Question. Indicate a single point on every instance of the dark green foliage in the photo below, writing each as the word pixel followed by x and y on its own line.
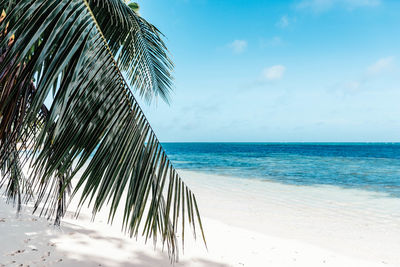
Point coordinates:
pixel 94 123
pixel 134 6
pixel 141 52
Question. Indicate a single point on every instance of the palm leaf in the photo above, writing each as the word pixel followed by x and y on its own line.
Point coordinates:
pixel 139 47
pixel 94 120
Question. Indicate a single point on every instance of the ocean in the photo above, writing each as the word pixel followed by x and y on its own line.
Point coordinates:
pixel 365 166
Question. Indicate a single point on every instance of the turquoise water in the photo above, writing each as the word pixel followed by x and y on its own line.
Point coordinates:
pixel 368 166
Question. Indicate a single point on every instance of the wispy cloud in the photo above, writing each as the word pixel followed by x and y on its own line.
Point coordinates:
pixel 380 66
pixel 238 46
pixel 283 22
pixel 273 73
pixel 324 5
pixel 364 81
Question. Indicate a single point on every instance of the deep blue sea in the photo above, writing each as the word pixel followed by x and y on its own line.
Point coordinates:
pixel 368 166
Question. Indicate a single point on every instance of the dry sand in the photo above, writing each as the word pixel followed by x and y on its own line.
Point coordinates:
pixel 247 223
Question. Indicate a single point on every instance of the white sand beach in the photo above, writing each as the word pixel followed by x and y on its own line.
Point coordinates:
pixel 274 126
pixel 247 223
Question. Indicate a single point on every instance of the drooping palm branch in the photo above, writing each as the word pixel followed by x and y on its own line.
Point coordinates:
pixel 78 49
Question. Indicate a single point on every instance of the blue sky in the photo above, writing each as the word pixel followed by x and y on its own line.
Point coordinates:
pixel 270 71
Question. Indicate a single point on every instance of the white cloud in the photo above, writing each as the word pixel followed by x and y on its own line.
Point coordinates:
pixel 382 65
pixel 367 78
pixel 324 5
pixel 283 22
pixel 273 73
pixel 238 46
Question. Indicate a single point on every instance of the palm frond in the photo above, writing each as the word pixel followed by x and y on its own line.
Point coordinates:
pixel 94 119
pixel 17 185
pixel 139 46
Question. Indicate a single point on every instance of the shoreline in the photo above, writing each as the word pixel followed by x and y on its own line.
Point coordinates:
pixel 334 218
pixel 257 179
pixel 246 223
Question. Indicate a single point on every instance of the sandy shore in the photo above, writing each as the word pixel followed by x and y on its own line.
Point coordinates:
pixel 247 223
